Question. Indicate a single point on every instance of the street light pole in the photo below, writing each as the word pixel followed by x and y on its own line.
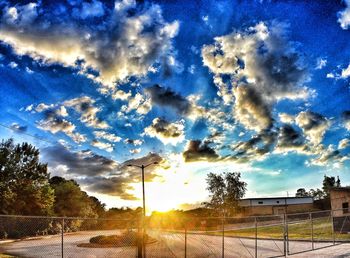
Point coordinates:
pixel 144 204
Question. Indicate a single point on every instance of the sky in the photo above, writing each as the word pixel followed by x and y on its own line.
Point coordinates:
pixel 256 87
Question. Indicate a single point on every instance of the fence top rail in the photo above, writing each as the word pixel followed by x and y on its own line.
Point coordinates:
pixel 57 217
pixel 185 218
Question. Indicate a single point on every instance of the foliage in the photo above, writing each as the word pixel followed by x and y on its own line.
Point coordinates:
pixel 318 194
pixel 24 187
pixel 225 191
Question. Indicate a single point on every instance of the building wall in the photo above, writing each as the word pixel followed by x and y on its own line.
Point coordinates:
pixel 277 209
pixel 339 197
pixel 275 201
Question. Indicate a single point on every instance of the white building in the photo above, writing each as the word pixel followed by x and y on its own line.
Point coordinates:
pixel 276 205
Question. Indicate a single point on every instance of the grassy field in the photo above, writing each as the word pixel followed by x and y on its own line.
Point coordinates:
pixel 298 230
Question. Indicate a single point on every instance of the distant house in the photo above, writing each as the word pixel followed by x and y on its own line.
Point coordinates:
pixel 340 200
pixel 275 205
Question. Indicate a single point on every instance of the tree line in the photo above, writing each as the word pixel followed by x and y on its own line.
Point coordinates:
pixel 27 189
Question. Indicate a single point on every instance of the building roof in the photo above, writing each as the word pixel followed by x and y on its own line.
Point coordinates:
pixel 345 188
pixel 274 198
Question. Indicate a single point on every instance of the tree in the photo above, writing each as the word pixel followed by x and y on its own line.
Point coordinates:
pixel 328 183
pixel 24 187
pixel 70 200
pixel 317 194
pixel 225 191
pixel 301 192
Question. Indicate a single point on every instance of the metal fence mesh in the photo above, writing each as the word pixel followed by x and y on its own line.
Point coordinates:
pixel 261 236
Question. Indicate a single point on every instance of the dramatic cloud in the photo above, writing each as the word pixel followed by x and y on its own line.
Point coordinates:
pixel 165 131
pixel 114 186
pixel 54 123
pixel 124 42
pixel 120 185
pixel 258 67
pixel 84 106
pixel 286 118
pixel 255 148
pixel 344 16
pixel 107 136
pixel 344 143
pixel 135 142
pixel 329 156
pixel 290 140
pixel 80 163
pixel 346 119
pixel 18 128
pixel 197 150
pixel 313 124
pixel 99 174
pixel 102 145
pixel 167 97
pixel 251 110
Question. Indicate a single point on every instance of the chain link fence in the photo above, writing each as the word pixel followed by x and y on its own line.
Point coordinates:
pixel 260 236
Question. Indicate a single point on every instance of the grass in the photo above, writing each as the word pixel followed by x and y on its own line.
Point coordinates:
pixel 322 231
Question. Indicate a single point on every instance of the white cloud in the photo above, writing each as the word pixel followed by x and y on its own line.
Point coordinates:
pixel 135 151
pixel 286 118
pixel 84 106
pixel 314 126
pixel 344 16
pixel 344 143
pixel 55 124
pixel 345 73
pixel 102 145
pixel 257 67
pixel 125 44
pixel 165 131
pixel 321 62
pixel 107 136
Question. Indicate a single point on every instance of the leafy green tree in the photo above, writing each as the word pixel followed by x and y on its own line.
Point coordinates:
pixel 328 183
pixel 24 187
pixel 301 192
pixel 225 191
pixel 317 194
pixel 70 200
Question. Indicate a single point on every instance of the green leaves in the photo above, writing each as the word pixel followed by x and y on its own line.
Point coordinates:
pixel 225 191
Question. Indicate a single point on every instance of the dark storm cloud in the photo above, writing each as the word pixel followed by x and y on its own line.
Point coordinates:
pixel 84 163
pixel 255 147
pixel 166 97
pixel 199 151
pixel 115 186
pixel 289 137
pixel 100 174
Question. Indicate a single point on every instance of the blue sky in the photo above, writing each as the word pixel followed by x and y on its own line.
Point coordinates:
pixel 259 87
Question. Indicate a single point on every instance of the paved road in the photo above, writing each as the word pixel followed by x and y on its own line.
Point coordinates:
pixel 169 245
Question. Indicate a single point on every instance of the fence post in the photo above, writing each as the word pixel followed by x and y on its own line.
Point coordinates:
pixel 139 239
pixel 185 241
pixel 256 237
pixel 62 234
pixel 286 231
pixel 333 234
pixel 223 237
pixel 312 231
pixel 284 236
